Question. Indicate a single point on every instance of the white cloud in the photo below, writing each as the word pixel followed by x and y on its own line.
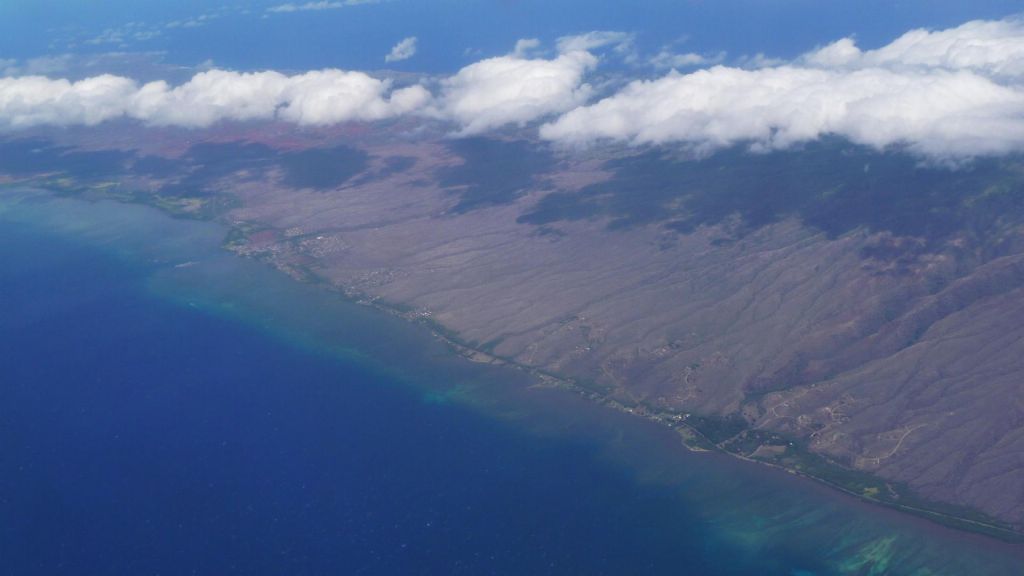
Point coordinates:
pixel 593 40
pixel 946 94
pixel 84 65
pixel 939 113
pixel 201 20
pixel 524 46
pixel 319 97
pixel 514 90
pixel 668 59
pixel 760 60
pixel 209 97
pixel 987 47
pixel 950 93
pixel 36 100
pixel 321 5
pixel 45 66
pixel 839 53
pixel 304 7
pixel 8 66
pixel 621 43
pixel 488 94
pixel 333 96
pixel 404 50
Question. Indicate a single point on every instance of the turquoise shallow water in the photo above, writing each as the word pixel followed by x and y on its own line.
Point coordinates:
pixel 167 407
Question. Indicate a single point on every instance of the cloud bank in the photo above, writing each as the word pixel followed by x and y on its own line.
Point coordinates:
pixel 313 98
pixel 938 113
pixel 514 90
pixel 994 48
pixel 948 94
pixel 36 100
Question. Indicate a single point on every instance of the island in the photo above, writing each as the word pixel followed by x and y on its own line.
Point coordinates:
pixel 843 313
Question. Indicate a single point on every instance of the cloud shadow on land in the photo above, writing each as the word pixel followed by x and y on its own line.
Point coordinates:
pixel 32 156
pixel 323 168
pixel 494 171
pixel 831 185
pixel 197 171
pixel 206 163
pixel 318 168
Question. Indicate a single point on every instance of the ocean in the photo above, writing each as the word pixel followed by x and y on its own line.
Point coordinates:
pixel 452 33
pixel 169 408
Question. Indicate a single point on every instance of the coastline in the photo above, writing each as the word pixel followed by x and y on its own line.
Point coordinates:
pixel 697 440
pixel 701 434
pixel 698 433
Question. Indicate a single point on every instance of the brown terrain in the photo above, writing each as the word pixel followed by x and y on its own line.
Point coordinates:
pixel 870 321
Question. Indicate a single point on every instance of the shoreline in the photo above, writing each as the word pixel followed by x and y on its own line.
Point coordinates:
pixel 695 438
pixel 696 433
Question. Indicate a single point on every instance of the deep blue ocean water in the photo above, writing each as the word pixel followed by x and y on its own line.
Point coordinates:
pixel 143 437
pixel 140 437
pixel 163 415
pixel 453 33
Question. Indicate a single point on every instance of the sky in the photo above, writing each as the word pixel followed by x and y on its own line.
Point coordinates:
pixel 944 79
